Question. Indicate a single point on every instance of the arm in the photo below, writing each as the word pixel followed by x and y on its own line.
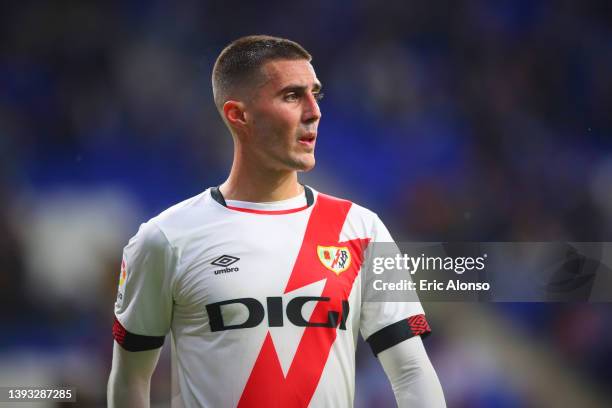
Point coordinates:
pixel 143 312
pixel 130 377
pixel 413 378
pixel 393 327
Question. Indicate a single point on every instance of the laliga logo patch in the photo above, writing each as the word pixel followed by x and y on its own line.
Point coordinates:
pixel 122 279
pixel 336 259
pixel 123 275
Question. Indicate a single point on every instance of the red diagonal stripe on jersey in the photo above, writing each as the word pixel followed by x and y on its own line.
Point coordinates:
pixel 267 385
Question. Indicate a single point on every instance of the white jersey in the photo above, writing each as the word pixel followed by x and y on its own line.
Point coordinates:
pixel 263 300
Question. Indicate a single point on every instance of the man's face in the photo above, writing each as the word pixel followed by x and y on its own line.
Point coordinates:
pixel 283 116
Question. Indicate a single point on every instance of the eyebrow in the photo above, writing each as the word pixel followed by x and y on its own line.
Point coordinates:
pixel 299 88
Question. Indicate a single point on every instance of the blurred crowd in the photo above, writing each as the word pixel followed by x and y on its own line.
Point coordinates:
pixel 458 121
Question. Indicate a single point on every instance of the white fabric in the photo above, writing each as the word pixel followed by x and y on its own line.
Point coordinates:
pixel 413 378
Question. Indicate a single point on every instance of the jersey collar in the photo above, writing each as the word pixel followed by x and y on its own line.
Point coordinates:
pixel 216 194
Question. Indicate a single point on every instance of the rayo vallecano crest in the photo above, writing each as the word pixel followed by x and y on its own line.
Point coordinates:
pixel 336 259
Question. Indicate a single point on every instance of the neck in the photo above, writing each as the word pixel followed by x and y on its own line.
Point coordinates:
pixel 249 181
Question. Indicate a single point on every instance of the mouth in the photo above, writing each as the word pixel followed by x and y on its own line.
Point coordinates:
pixel 308 139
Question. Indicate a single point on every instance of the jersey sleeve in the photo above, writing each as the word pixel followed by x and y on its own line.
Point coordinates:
pixel 386 323
pixel 143 310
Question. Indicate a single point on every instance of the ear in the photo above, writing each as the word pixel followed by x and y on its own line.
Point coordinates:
pixel 234 113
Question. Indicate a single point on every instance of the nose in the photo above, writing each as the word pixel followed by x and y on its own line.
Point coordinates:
pixel 311 112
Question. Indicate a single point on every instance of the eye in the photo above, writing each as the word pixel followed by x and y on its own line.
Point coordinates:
pixel 291 97
pixel 318 95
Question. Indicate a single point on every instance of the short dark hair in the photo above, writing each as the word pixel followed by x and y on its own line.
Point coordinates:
pixel 242 59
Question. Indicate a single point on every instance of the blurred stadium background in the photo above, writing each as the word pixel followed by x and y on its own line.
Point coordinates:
pixel 469 121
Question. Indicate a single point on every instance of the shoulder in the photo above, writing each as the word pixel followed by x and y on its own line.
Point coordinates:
pixel 182 209
pixel 182 218
pixel 149 235
pixel 161 231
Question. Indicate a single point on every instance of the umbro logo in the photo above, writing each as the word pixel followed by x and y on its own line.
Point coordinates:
pixel 225 261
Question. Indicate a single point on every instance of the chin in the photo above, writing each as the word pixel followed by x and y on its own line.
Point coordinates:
pixel 306 165
pixel 302 162
pixel 306 169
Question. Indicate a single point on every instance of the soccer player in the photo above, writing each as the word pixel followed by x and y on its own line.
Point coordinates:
pixel 258 280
